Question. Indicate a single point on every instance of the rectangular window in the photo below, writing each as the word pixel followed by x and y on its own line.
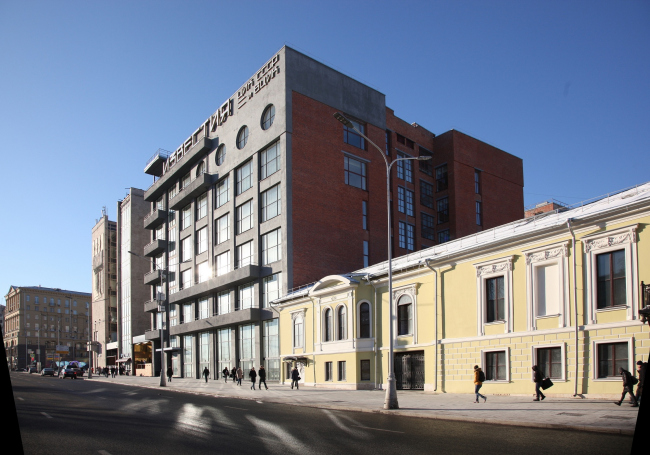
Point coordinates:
pixel 328 371
pixel 477 181
pixel 410 237
pixel 186 249
pixel 365 253
pixel 355 172
pixel 364 214
pixel 272 288
pixel 547 289
pixel 352 137
pixel 223 302
pixel 186 279
pixel 441 178
pixel 405 168
pixel 202 206
pixel 410 196
pixel 271 203
pixel 186 217
pixel 188 313
pixel 271 349
pixel 495 366
pixel 272 247
pixel 222 228
pixel 401 200
pixel 204 310
pixel 443 210
pixel 443 236
pixel 223 346
pixel 611 279
pixel 365 370
pixel 404 316
pixel 495 297
pixel 221 193
pixel 479 214
pixel 387 142
pixel 188 363
pixel 245 254
pixel 549 360
pixel 611 357
pixel 204 350
pixel 402 234
pixel 270 162
pixel 244 177
pixel 245 296
pixel 426 166
pixel 223 263
pixel 428 226
pixel 426 193
pixel 201 240
pixel 298 332
pixel 341 369
pixel 245 217
pixel 246 346
pixel 185 181
pixel 204 271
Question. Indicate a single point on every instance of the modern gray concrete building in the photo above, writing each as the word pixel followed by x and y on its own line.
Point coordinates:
pixel 134 352
pixel 271 192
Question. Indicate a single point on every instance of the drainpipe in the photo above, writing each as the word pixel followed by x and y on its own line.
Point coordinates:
pixel 435 305
pixel 375 331
pixel 575 300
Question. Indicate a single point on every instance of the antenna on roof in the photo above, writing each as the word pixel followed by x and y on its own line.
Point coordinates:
pixel 103 211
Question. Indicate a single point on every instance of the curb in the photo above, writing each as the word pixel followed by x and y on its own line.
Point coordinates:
pixel 547 426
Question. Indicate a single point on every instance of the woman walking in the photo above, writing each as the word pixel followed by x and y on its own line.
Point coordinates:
pixel 240 375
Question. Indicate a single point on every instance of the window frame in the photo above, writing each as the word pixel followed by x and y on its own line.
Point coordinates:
pixel 563 364
pixel 359 320
pixel 492 269
pixel 506 350
pixel 245 222
pixel 242 137
pixel 241 179
pixel 595 359
pixel 266 123
pixel 349 134
pixel 410 291
pixel 363 176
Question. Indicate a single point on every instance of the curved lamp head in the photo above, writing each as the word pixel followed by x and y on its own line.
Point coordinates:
pixel 341 118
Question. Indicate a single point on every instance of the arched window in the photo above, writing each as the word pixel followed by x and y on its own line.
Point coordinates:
pixel 200 169
pixel 268 116
pixel 242 137
pixel 404 315
pixel 221 154
pixel 364 320
pixel 327 325
pixel 342 324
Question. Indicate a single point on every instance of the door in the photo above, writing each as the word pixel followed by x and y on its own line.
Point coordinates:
pixel 409 371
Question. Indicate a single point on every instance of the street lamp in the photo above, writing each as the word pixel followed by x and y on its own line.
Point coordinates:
pixel 390 402
pixel 162 308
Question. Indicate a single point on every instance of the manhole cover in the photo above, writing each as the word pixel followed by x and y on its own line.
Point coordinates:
pixel 570 414
pixel 617 417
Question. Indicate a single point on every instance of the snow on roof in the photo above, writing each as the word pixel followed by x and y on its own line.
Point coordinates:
pixel 513 230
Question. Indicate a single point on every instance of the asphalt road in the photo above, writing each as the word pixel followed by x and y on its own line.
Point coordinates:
pixel 83 417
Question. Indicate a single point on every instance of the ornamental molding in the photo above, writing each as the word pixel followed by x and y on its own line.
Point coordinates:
pixel 407 290
pixel 611 240
pixel 299 313
pixel 551 253
pixel 493 268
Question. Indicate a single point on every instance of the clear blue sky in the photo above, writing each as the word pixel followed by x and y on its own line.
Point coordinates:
pixel 89 91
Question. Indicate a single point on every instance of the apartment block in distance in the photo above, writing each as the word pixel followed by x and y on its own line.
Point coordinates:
pixel 38 319
pixel 272 192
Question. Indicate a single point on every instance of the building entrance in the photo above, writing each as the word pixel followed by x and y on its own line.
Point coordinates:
pixel 409 371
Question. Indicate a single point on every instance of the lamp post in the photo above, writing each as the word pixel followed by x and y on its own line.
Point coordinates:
pixel 162 308
pixel 390 402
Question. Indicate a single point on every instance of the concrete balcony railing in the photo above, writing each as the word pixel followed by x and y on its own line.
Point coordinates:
pixel 153 277
pixel 218 283
pixel 156 247
pixel 150 335
pixel 155 219
pixel 196 187
pixel 151 306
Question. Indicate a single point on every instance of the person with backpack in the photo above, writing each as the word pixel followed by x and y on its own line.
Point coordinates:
pixel 641 369
pixel 628 387
pixel 226 373
pixel 538 377
pixel 479 379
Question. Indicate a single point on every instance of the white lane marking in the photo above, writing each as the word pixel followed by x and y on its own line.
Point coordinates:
pixel 103 452
pixel 46 415
pixel 378 429
pixel 189 420
pixel 281 436
pixel 231 407
pixel 260 402
pixel 343 427
pixel 21 399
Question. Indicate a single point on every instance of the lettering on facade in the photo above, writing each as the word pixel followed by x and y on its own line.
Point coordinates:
pixel 256 83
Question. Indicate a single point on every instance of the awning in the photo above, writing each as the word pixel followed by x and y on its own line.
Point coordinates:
pixel 123 360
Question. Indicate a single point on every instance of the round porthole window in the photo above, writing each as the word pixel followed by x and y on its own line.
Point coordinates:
pixel 242 137
pixel 268 116
pixel 221 154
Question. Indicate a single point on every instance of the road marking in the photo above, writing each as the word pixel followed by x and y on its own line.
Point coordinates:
pixel 260 402
pixel 103 452
pixel 21 399
pixel 378 429
pixel 231 407
pixel 46 415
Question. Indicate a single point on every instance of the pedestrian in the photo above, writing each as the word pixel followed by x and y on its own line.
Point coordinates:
pixel 628 387
pixel 233 375
pixel 262 375
pixel 295 377
pixel 479 377
pixel 641 368
pixel 253 376
pixel 538 377
pixel 240 375
pixel 226 373
pixel 170 373
pixel 112 372
pixel 206 373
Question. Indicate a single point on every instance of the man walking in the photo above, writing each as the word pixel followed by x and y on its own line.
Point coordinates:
pixel 262 375
pixel 170 373
pixel 253 376
pixel 240 375
pixel 641 368
pixel 538 377
pixel 295 377
pixel 206 373
pixel 225 373
pixel 479 377
pixel 628 387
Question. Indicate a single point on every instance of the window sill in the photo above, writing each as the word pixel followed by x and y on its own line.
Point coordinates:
pixel 546 316
pixel 611 308
pixel 494 323
pixel 497 381
pixel 405 335
pixel 612 379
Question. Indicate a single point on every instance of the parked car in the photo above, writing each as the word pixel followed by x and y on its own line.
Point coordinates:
pixel 33 370
pixel 47 372
pixel 73 373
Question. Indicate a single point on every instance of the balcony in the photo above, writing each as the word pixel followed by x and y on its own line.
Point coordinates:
pixel 151 305
pixel 98 261
pixel 150 335
pixel 156 247
pixel 238 276
pixel 155 164
pixel 153 277
pixel 183 166
pixel 221 320
pixel 155 219
pixel 197 187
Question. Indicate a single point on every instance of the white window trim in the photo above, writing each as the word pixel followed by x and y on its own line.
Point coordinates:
pixel 623 238
pixel 346 335
pixel 411 291
pixel 295 315
pixel 548 255
pixel 323 310
pixel 485 271
pixel 594 358
pixel 505 349
pixel 359 319
pixel 561 345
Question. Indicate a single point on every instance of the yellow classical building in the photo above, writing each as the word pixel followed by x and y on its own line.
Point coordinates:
pixel 561 290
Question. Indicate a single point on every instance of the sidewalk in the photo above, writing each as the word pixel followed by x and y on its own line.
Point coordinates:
pixel 557 413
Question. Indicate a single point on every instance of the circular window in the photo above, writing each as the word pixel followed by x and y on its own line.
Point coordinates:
pixel 268 116
pixel 221 154
pixel 242 137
